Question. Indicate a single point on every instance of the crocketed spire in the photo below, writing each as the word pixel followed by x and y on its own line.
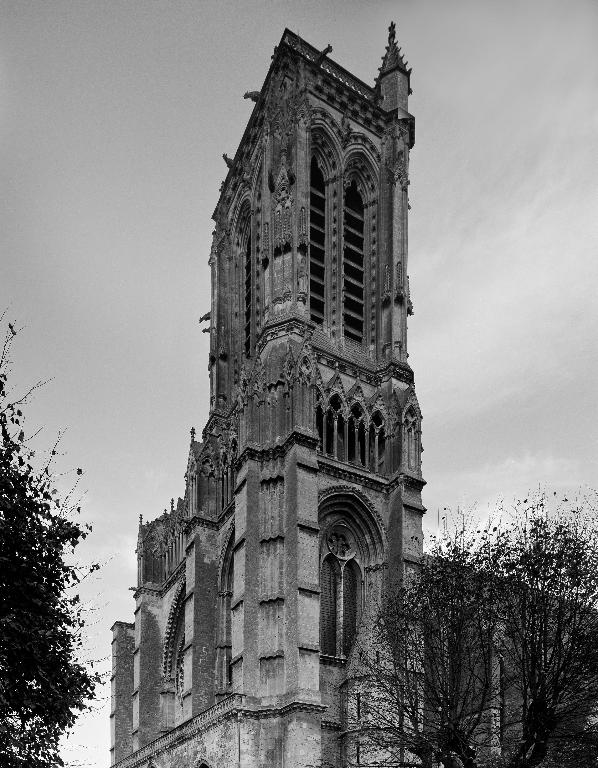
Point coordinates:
pixel 393 58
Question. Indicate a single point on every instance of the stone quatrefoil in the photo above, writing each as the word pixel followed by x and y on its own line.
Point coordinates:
pixel 339 545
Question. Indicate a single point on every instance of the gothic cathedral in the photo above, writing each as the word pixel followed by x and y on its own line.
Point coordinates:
pixel 303 496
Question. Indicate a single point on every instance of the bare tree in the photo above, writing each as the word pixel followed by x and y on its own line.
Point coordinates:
pixel 487 654
pixel 548 561
pixel 425 688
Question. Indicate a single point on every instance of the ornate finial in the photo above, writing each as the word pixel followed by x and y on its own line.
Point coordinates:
pixel 140 520
pixel 227 160
pixel 192 434
pixel 172 505
pixel 393 58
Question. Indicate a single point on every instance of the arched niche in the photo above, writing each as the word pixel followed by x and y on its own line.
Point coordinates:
pixel 352 541
pixel 226 582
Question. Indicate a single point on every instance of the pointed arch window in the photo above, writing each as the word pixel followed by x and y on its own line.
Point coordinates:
pixel 173 661
pixel 351 593
pixel 377 447
pixel 226 594
pixel 320 426
pixel 329 579
pixel 353 264
pixel 317 244
pixel 411 447
pixel 340 594
pixel 356 436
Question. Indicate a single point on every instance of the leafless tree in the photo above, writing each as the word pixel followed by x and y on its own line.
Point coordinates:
pixel 424 687
pixel 548 560
pixel 486 654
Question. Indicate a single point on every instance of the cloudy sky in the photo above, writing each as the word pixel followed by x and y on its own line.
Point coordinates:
pixel 113 121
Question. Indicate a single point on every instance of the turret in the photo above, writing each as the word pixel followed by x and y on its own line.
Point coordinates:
pixel 394 78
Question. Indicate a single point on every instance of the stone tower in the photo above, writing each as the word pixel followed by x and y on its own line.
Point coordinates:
pixel 303 495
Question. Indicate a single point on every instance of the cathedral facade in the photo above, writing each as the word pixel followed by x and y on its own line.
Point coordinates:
pixel 303 495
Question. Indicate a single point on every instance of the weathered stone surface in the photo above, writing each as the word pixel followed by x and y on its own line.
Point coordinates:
pixel 304 494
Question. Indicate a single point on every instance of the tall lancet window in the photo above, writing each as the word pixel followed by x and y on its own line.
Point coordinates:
pixel 340 593
pixel 248 288
pixel 353 268
pixel 329 579
pixel 317 241
pixel 228 643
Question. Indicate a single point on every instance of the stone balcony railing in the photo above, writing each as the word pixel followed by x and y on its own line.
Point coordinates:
pixel 227 707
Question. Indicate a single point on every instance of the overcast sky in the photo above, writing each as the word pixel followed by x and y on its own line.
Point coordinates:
pixel 113 121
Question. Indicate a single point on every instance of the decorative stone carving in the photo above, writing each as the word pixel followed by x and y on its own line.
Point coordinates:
pixel 266 244
pixel 409 302
pixel 340 542
pixel 386 286
pixel 345 131
pixel 302 227
pixel 286 104
pixel 301 275
pixel 400 174
pixel 283 206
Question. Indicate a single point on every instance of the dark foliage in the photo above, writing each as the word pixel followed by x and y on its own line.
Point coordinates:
pixel 43 686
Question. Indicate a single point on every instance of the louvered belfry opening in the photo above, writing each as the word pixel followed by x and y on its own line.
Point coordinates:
pixel 248 286
pixel 353 271
pixel 317 240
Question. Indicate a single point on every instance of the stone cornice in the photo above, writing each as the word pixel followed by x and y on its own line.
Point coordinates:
pixel 224 709
pixel 278 451
pixel 352 474
pixel 174 576
pixel 145 590
pixel 232 706
pixel 198 521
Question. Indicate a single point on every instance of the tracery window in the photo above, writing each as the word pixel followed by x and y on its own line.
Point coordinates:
pixel 353 264
pixel 317 244
pixel 340 593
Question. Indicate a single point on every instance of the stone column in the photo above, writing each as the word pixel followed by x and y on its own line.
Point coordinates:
pixel 147 673
pixel 201 602
pixel 121 682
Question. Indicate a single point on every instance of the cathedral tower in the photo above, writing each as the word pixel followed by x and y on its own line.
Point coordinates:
pixel 303 496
